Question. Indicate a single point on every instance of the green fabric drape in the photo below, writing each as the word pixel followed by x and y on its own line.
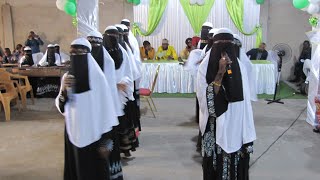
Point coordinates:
pixel 236 12
pixel 196 14
pixel 156 10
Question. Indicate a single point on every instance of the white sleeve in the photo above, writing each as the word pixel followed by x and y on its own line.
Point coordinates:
pixel 57 102
pixel 202 94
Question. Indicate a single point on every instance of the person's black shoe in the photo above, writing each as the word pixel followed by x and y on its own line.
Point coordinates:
pixel 316 130
pixel 294 80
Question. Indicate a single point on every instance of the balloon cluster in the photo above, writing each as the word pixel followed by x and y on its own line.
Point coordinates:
pixel 135 2
pixel 260 1
pixel 311 6
pixel 68 6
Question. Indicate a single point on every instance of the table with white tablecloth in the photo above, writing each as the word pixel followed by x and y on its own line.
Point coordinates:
pixel 264 72
pixel 174 79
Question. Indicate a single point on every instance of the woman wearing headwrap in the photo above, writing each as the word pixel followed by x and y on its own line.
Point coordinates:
pixel 27 59
pixel 137 72
pixel 50 58
pixel 64 58
pixel 226 118
pixel 125 89
pixel 192 65
pixel 83 98
pixel 128 139
pixel 206 27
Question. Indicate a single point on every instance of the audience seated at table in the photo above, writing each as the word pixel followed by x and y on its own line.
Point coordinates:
pixel 34 42
pixel 258 53
pixel 18 52
pixel 147 52
pixel 298 67
pixel 27 59
pixel 184 54
pixel 50 58
pixel 166 52
pixel 8 57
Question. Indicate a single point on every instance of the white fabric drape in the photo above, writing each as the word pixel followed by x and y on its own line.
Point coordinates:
pixel 172 78
pixel 176 27
pixel 265 81
pixel 313 86
pixel 87 16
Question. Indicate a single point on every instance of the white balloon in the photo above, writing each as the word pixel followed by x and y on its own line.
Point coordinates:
pixel 193 1
pixel 60 4
pixel 314 1
pixel 201 2
pixel 313 8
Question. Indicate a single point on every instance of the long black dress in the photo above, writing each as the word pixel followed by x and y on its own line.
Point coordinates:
pixel 217 164
pixel 86 163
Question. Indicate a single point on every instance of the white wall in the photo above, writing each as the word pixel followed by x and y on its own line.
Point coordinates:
pixel 283 23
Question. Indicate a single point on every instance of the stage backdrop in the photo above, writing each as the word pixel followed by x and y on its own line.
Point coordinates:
pixel 176 28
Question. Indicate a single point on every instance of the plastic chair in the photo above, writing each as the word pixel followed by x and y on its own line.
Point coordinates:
pixel 146 93
pixel 22 85
pixel 6 98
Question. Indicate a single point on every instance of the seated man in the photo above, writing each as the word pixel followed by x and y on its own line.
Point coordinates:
pixel 50 58
pixel 27 59
pixel 185 53
pixel 258 53
pixel 166 52
pixel 147 52
pixel 298 67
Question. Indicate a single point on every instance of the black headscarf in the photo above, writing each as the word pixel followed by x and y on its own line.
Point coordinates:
pixel 28 58
pixel 51 56
pixel 79 68
pixel 97 50
pixel 125 23
pixel 204 36
pixel 126 38
pixel 210 42
pixel 232 90
pixel 121 39
pixel 111 44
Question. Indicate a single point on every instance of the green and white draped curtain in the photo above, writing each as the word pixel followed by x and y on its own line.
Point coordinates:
pixel 175 25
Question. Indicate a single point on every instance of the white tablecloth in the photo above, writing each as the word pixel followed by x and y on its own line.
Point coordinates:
pixel 265 79
pixel 172 78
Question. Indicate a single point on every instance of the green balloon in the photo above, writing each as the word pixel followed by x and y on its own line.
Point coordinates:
pixel 260 1
pixel 300 4
pixel 130 1
pixel 136 2
pixel 70 8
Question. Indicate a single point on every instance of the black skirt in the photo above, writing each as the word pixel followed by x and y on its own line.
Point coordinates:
pixel 127 133
pixel 85 163
pixel 219 165
pixel 115 158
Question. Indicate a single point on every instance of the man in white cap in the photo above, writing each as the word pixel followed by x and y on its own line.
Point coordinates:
pixel 50 58
pixel 83 98
pixel 226 117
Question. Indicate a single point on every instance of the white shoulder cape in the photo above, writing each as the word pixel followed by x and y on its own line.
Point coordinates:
pixel 236 126
pixel 91 114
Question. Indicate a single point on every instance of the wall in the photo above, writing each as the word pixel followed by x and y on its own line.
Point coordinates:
pixel 283 23
pixel 53 25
